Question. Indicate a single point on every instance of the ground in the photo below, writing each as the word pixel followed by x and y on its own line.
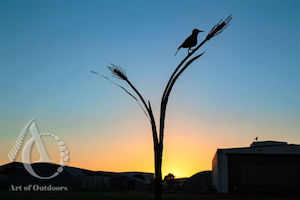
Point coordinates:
pixel 125 195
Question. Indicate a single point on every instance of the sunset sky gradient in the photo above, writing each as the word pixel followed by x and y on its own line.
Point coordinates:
pixel 246 85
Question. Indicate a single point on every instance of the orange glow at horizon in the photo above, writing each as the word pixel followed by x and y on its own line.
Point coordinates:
pixel 187 150
pixel 189 146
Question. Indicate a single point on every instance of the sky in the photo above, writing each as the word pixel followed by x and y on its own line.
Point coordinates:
pixel 246 85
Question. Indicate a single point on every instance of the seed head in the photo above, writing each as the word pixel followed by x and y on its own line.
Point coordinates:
pixel 117 71
pixel 219 27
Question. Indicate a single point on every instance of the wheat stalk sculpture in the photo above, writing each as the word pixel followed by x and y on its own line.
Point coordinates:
pixel 158 137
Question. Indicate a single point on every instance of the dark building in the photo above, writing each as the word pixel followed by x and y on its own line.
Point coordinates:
pixel 264 167
pixel 200 182
pixel 139 180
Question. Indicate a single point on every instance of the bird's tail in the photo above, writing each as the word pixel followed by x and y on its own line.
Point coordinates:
pixel 176 51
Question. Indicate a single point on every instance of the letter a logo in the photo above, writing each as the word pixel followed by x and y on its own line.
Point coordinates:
pixel 37 140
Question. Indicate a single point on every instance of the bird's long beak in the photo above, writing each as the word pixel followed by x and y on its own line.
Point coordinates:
pixel 201 31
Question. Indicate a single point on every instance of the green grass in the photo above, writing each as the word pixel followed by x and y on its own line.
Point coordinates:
pixel 131 195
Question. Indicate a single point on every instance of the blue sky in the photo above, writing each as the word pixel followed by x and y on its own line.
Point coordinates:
pixel 247 79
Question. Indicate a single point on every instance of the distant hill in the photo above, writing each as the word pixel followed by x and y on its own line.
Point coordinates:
pixel 72 178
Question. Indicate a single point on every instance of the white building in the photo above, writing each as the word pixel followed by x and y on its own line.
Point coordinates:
pixel 266 166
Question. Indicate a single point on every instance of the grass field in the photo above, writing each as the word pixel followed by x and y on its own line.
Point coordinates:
pixel 126 195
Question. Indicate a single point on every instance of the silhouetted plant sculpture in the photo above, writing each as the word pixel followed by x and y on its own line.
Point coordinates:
pixel 158 139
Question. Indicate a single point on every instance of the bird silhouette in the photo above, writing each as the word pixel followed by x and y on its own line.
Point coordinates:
pixel 191 41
